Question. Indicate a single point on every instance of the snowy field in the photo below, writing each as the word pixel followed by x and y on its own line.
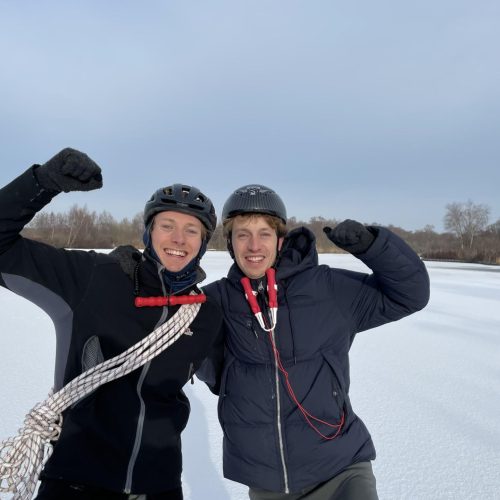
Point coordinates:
pixel 427 387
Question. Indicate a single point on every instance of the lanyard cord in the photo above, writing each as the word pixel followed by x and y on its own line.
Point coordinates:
pixel 307 416
pixel 272 291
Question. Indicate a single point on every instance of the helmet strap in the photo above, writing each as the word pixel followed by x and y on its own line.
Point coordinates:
pixel 146 235
pixel 278 252
pixel 229 245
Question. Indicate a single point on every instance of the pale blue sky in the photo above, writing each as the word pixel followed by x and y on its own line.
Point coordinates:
pixel 378 111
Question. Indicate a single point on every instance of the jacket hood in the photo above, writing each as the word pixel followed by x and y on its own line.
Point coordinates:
pixel 298 253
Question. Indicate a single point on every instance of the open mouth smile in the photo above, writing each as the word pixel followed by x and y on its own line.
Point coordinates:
pixel 255 260
pixel 175 253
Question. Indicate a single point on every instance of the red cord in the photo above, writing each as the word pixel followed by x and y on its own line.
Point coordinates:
pixel 308 416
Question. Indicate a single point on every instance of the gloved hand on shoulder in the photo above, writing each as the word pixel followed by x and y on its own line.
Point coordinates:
pixel 69 170
pixel 351 236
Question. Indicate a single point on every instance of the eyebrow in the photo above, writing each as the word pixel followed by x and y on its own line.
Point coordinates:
pixel 245 230
pixel 173 221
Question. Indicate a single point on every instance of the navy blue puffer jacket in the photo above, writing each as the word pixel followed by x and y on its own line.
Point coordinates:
pixel 267 441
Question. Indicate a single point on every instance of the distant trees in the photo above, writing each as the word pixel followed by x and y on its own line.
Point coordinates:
pixel 218 242
pixel 316 225
pixel 468 237
pixel 466 221
pixel 81 228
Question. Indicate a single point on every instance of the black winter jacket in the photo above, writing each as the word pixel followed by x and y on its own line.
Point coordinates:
pixel 125 436
pixel 267 442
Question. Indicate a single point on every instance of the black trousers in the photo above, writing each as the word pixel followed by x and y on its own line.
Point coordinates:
pixel 54 489
pixel 356 482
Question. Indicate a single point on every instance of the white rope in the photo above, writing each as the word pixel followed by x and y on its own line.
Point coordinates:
pixel 23 456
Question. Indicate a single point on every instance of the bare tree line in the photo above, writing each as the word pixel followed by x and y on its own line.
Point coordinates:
pixel 468 235
pixel 81 228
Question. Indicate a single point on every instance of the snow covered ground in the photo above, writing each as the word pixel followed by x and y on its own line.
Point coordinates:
pixel 427 387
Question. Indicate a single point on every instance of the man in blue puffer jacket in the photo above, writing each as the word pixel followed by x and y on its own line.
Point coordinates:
pixel 283 380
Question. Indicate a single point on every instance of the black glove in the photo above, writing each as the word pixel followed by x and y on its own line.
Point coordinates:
pixel 69 170
pixel 351 236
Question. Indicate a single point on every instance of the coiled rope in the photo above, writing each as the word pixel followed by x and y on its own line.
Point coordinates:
pixel 23 456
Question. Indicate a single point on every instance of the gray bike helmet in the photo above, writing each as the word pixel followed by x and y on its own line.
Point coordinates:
pixel 254 198
pixel 185 199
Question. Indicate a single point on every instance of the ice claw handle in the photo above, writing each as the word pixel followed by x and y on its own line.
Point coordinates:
pixel 249 294
pixel 272 288
pixel 170 301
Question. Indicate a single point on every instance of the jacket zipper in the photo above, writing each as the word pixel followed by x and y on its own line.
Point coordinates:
pixel 278 399
pixel 142 412
pixel 278 409
pixel 138 431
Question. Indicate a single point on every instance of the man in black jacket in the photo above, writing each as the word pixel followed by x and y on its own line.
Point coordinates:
pixel 124 438
pixel 283 383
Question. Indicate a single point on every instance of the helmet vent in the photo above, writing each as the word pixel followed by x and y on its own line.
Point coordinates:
pixel 185 199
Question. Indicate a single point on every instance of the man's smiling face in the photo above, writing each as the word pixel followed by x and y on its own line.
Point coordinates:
pixel 255 245
pixel 176 238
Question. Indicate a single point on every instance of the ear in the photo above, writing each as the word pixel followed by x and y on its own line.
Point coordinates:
pixel 280 243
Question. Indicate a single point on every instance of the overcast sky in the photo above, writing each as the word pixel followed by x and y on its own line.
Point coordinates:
pixel 379 111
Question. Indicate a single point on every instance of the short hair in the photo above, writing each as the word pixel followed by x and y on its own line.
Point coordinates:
pixel 274 222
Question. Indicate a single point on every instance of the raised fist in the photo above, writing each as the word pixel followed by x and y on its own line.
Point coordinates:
pixel 351 236
pixel 69 170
